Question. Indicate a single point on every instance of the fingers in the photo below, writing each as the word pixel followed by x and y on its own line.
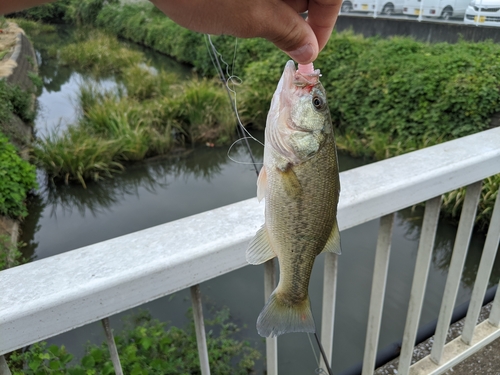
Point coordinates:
pixel 284 27
pixel 321 17
pixel 276 20
pixel 299 6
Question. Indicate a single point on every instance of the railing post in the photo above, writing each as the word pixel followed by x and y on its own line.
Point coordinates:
pixel 271 342
pixel 378 292
pixel 425 247
pixel 4 367
pixel 459 254
pixel 113 351
pixel 483 273
pixel 199 327
pixel 328 311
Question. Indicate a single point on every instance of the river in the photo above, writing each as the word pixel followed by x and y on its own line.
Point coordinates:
pixel 150 193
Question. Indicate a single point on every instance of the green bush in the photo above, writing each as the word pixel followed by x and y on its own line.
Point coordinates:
pixel 147 347
pixel 17 178
pixel 412 91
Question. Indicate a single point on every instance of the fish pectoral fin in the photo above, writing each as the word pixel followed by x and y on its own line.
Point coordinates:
pixel 291 183
pixel 262 184
pixel 333 242
pixel 259 250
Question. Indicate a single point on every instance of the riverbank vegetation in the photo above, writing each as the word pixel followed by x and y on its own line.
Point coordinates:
pixel 386 96
pixel 147 346
pixel 149 113
pixel 17 176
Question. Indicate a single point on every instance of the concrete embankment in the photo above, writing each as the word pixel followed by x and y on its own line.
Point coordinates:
pixel 19 61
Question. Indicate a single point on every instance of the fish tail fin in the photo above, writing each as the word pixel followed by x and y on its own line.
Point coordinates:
pixel 278 317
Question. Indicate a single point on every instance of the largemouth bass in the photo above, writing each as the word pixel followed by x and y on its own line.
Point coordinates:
pixel 300 184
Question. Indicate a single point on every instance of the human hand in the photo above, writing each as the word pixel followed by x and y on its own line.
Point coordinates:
pixel 275 20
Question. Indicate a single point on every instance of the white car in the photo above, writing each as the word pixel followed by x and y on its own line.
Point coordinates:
pixel 386 7
pixel 444 9
pixel 483 12
pixel 346 6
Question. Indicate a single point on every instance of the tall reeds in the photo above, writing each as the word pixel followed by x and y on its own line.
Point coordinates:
pixel 147 114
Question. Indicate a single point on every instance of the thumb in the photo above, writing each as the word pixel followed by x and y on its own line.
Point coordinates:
pixel 291 33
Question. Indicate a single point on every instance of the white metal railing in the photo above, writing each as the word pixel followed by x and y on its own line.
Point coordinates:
pixel 47 297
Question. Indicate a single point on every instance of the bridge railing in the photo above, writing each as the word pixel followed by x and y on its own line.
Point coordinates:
pixel 57 294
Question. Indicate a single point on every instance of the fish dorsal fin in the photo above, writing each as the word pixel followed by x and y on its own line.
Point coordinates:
pixel 259 250
pixel 262 184
pixel 333 243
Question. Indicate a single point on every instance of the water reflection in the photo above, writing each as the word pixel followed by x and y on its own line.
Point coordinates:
pixel 411 220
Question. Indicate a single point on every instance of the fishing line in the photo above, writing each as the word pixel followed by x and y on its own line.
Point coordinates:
pixel 319 370
pixel 214 56
pixel 327 365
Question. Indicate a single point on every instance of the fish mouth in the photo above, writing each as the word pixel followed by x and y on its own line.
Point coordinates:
pixel 296 84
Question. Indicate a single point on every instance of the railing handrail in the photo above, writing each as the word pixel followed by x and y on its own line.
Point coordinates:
pixel 47 297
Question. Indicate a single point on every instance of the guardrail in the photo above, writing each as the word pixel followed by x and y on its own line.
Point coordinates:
pixel 47 297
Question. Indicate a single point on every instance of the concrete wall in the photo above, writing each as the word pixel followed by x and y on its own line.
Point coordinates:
pixel 427 31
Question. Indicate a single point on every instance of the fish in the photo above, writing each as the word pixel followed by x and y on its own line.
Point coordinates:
pixel 300 184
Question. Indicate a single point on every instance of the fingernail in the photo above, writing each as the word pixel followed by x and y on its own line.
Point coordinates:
pixel 303 55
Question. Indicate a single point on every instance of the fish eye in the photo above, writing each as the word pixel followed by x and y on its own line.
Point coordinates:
pixel 318 102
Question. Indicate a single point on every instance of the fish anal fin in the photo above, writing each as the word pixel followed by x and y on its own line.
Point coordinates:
pixel 260 250
pixel 279 317
pixel 333 242
pixel 262 184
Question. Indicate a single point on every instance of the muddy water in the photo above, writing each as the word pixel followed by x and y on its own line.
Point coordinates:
pixel 154 192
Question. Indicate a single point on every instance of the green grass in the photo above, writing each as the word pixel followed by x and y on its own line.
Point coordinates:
pixel 100 53
pixel 144 84
pixel 77 156
pixel 33 28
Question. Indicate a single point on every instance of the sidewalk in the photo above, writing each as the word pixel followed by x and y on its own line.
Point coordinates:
pixel 485 362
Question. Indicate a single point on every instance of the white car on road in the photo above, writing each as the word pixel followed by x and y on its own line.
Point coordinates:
pixel 386 7
pixel 444 9
pixel 483 12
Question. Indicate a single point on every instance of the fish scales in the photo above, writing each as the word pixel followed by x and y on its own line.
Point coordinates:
pixel 300 184
pixel 303 225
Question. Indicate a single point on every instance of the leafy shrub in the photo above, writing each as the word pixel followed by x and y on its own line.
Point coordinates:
pixel 412 91
pixel 17 178
pixel 146 346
